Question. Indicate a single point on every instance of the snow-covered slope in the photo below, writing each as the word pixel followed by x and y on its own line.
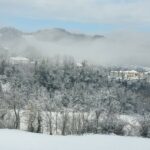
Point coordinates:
pixel 19 140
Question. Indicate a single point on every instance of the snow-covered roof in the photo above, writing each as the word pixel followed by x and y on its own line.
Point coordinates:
pixel 133 71
pixel 127 71
pixel 79 64
pixel 19 58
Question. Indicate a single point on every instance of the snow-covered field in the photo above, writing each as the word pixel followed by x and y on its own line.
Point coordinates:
pixel 19 140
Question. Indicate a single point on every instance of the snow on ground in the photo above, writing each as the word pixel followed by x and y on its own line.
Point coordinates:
pixel 19 140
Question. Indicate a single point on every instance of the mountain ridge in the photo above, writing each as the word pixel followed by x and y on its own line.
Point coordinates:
pixel 46 34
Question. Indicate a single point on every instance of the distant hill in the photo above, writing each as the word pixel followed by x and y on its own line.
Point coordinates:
pixel 116 49
pixel 8 33
pixel 43 42
pixel 56 34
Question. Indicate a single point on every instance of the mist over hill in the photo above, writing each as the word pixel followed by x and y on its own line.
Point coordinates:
pixel 55 34
pixel 118 48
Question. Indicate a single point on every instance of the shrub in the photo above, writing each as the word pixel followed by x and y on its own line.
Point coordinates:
pixel 112 125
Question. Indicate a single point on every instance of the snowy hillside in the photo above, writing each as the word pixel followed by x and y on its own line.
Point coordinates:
pixel 19 140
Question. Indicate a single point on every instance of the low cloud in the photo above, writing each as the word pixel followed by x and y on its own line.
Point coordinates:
pixel 118 48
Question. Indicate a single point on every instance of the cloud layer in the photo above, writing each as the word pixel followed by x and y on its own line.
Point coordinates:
pixel 118 48
pixel 91 11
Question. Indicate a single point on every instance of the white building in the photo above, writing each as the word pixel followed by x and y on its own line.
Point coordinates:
pixel 19 60
pixel 127 75
pixel 79 64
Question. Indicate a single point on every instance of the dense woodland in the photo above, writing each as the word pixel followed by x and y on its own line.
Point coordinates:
pixel 67 99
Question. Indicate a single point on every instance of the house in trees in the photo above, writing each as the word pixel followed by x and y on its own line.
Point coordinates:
pixel 79 64
pixel 127 75
pixel 19 60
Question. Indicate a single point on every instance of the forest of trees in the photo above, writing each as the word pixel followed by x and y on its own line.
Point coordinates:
pixel 64 98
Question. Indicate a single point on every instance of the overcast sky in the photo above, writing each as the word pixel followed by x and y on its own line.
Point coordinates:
pixel 96 16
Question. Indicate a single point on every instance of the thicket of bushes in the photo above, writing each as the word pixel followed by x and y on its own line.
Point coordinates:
pixel 51 87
